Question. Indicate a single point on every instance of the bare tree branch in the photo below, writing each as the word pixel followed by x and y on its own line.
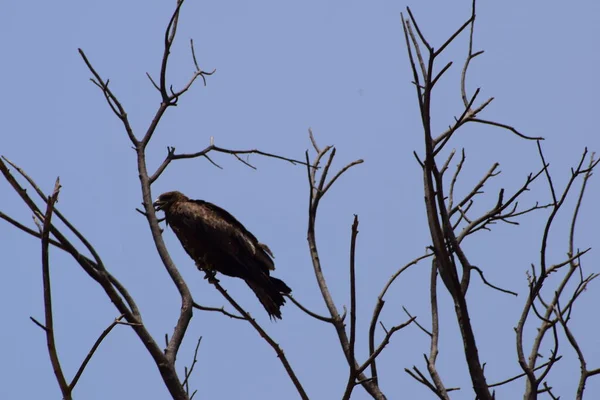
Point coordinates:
pixel 220 310
pixel 72 228
pixel 416 322
pixel 584 372
pixel 166 361
pixel 30 231
pixel 537 280
pixel 459 167
pixel 450 219
pixel 90 354
pixel 490 285
pixel 470 57
pixel 514 378
pixel 384 343
pixel 264 335
pixel 495 213
pixel 171 156
pixel 419 377
pixel 119 297
pixel 312 314
pixel 440 388
pixel 316 191
pixel 120 288
pixel 48 317
pixel 111 99
pixel 38 323
pixel 379 307
pixel 476 189
pixel 168 42
pixel 188 371
pixel 444 241
pixel 507 127
pixel 352 373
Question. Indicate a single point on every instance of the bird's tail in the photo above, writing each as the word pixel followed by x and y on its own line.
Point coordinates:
pixel 270 294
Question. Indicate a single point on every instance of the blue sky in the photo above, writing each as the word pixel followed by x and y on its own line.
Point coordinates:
pixel 339 67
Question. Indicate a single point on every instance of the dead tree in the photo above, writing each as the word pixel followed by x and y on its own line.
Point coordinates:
pixel 127 309
pixel 451 222
pixel 450 217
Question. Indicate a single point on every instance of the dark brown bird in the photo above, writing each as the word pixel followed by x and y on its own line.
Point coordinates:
pixel 218 242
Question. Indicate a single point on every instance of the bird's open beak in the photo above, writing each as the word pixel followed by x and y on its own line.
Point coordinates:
pixel 158 205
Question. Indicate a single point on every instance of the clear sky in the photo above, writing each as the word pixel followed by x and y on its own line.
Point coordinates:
pixel 341 68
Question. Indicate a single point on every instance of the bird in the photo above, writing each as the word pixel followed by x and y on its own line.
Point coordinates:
pixel 218 242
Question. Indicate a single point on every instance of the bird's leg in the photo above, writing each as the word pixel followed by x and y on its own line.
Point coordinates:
pixel 210 274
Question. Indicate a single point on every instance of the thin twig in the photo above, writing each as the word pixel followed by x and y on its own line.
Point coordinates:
pixel 495 213
pixel 340 172
pixel 470 56
pixel 30 231
pixel 416 46
pixel 476 189
pixel 459 167
pixel 170 33
pixel 111 99
pixel 421 36
pixel 507 127
pixel 384 343
pixel 490 285
pixel 504 382
pixel 421 327
pixel 453 36
pixel 311 313
pixel 38 323
pixel 468 113
pixel 313 141
pixel 419 377
pixel 93 350
pixel 71 227
pixel 189 370
pixel 379 307
pixel 216 309
pixel 447 162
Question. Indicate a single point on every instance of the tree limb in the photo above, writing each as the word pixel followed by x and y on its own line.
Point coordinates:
pixel 265 336
pixel 48 318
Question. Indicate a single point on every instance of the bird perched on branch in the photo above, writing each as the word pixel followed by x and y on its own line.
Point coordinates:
pixel 218 242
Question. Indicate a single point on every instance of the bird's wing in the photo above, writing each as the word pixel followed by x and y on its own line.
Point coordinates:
pixel 225 232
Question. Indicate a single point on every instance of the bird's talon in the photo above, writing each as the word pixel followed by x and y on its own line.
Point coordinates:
pixel 210 276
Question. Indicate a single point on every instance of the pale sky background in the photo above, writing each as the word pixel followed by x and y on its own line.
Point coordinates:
pixel 341 68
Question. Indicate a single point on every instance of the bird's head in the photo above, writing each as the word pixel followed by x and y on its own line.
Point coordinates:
pixel 166 200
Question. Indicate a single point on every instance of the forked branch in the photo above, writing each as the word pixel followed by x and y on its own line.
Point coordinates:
pixel 318 187
pixel 444 241
pixel 379 308
pixel 539 276
pixel 172 156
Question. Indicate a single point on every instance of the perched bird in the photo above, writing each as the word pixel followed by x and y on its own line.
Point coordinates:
pixel 218 242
